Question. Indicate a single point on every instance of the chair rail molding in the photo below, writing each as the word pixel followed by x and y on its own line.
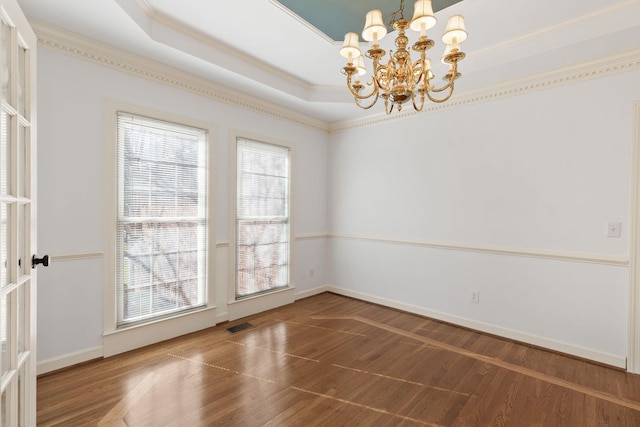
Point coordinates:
pixel 78 256
pixel 613 260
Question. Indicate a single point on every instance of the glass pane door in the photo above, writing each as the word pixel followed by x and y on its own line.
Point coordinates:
pixel 17 234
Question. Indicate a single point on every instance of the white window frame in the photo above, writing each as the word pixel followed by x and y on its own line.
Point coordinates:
pixel 249 305
pixel 117 340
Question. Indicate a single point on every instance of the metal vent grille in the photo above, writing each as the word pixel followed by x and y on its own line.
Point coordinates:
pixel 239 327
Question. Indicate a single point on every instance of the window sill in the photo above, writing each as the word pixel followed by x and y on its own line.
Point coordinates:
pixel 136 336
pixel 259 303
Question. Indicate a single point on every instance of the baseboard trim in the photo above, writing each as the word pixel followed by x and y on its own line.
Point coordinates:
pixel 71 359
pixel 311 292
pixel 222 317
pixel 60 362
pixel 561 347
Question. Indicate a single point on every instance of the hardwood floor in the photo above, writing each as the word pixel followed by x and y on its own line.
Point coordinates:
pixel 334 361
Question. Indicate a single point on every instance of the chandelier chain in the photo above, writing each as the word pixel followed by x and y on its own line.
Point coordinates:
pixel 393 16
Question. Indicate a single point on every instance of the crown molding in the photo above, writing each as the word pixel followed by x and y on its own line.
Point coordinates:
pixel 582 71
pixel 72 44
pixel 90 50
pixel 157 18
pixel 592 19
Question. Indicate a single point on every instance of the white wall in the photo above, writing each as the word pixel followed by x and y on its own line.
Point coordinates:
pixel 495 197
pixel 71 95
pixel 509 197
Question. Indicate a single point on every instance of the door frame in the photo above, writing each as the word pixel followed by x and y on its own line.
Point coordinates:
pixel 633 350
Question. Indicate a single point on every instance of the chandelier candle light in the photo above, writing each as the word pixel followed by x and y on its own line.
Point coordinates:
pixel 401 79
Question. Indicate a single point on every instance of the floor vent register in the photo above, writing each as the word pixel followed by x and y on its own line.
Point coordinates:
pixel 239 327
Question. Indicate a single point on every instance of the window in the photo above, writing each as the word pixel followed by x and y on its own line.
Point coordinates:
pixel 161 224
pixel 262 218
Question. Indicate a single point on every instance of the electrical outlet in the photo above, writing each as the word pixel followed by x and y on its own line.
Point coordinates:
pixel 474 297
pixel 312 272
pixel 614 229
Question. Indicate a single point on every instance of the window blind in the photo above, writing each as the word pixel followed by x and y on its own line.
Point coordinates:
pixel 162 218
pixel 262 217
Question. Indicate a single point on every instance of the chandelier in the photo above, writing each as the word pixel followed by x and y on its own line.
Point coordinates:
pixel 401 79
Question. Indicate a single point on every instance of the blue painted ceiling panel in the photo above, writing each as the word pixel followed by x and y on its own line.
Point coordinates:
pixel 335 18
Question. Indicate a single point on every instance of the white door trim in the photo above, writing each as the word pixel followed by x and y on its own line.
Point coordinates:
pixel 633 350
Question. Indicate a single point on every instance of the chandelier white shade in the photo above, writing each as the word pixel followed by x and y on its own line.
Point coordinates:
pixel 401 79
pixel 423 17
pixel 455 33
pixel 350 48
pixel 374 28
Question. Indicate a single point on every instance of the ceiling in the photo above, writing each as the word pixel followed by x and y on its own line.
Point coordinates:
pixel 262 48
pixel 351 14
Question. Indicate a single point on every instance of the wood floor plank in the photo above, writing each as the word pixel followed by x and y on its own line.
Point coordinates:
pixel 335 361
pixel 119 411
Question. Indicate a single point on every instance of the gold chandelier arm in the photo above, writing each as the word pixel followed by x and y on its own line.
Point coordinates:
pixel 379 71
pixel 381 75
pixel 452 74
pixel 388 107
pixel 449 85
pixel 357 87
pixel 418 107
pixel 366 107
pixel 446 98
